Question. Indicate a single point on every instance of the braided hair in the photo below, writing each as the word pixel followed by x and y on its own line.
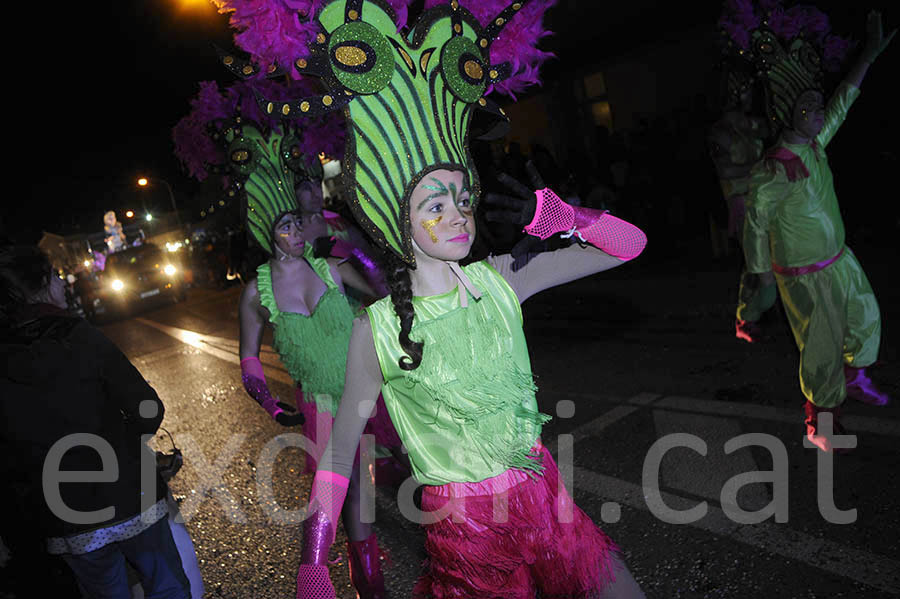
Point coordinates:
pixel 400 284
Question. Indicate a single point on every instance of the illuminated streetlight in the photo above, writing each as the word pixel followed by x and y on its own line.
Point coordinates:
pixel 129 213
pixel 149 217
pixel 144 182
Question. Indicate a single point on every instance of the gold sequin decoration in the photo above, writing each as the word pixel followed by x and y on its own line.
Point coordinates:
pixel 320 38
pixel 407 59
pixel 482 101
pixel 270 107
pixel 454 4
pixel 301 62
pixel 473 69
pixel 457 28
pixel 240 155
pixel 272 68
pixel 350 56
pixel 493 74
pixel 428 225
pixel 499 21
pixel 423 61
pixel 285 109
pixel 517 6
pixel 304 106
pixel 483 43
pixel 327 100
pixel 229 60
pixel 353 15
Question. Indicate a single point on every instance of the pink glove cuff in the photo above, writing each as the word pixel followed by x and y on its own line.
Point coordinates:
pixel 255 384
pixel 551 215
pixel 613 235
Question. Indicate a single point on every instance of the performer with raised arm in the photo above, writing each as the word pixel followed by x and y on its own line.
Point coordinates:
pixel 794 225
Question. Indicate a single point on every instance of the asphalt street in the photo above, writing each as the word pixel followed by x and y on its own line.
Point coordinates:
pixel 630 363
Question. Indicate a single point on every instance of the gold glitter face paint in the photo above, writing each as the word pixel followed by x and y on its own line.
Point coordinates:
pixel 429 225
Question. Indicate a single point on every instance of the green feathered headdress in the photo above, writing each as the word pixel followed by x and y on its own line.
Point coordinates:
pixel 259 164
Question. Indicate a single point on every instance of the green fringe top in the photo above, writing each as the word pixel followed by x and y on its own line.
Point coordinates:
pixel 312 348
pixel 468 412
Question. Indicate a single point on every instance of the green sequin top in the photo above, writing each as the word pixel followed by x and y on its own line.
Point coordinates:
pixel 313 348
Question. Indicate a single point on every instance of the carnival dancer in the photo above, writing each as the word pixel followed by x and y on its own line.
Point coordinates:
pixel 299 291
pixel 447 350
pixel 794 226
pixel 736 143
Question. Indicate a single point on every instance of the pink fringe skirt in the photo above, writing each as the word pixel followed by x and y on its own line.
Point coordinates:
pixel 379 426
pixel 536 538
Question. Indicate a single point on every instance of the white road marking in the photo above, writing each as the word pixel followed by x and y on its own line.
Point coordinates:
pixel 224 349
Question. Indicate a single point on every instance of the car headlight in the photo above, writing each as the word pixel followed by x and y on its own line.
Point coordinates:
pixel 169 270
pixel 118 285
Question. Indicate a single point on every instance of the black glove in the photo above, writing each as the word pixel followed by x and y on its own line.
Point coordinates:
pixel 322 246
pixel 518 210
pixel 289 416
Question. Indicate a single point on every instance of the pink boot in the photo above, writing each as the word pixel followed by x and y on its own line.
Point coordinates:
pixel 814 433
pixel 861 388
pixel 365 568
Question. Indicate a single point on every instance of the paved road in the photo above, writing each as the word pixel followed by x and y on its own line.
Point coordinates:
pixel 627 362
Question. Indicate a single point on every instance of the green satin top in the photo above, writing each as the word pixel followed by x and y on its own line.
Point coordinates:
pixel 468 412
pixel 797 223
pixel 313 348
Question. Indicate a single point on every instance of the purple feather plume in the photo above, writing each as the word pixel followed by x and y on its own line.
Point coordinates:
pixel 517 43
pixel 280 31
pixel 197 151
pixel 741 17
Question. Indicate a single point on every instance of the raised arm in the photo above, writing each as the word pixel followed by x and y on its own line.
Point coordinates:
pixel 847 92
pixel 253 324
pixel 361 387
pixel 544 214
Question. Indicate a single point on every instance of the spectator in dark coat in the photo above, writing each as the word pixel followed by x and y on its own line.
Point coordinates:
pixel 73 408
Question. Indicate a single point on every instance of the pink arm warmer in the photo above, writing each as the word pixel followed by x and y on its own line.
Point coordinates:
pixel 255 384
pixel 597 227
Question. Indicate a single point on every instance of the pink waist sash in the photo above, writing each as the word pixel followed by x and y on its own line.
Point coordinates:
pixel 793 271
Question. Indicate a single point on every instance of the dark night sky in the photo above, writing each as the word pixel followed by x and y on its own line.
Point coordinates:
pixel 98 87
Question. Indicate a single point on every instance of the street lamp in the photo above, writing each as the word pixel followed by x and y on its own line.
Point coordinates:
pixel 144 182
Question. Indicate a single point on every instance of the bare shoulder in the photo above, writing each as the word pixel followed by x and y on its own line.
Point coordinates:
pixel 250 294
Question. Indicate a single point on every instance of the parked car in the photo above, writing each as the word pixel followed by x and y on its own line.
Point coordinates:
pixel 139 276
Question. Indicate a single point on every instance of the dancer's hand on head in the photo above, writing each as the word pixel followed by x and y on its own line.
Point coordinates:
pixel 876 42
pixel 288 416
pixel 518 210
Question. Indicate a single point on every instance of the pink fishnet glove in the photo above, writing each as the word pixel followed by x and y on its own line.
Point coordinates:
pixel 613 235
pixel 313 582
